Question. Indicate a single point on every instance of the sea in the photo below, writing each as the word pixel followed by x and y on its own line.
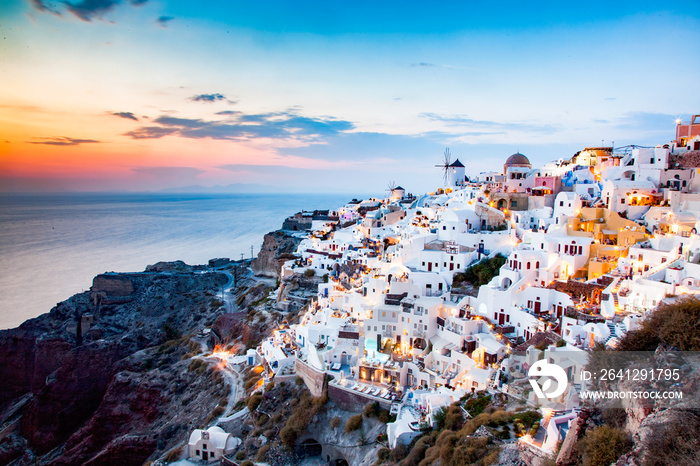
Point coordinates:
pixel 51 246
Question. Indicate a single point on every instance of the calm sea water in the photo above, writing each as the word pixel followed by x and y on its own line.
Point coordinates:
pixel 52 245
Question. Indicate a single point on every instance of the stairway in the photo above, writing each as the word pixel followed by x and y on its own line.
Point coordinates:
pixel 616 298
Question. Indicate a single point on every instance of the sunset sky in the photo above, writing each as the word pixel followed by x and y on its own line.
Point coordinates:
pixel 316 96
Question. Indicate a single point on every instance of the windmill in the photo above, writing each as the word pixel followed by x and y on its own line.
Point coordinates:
pixel 446 163
pixel 391 187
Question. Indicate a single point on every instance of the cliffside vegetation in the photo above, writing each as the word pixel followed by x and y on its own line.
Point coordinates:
pixel 456 440
pixel 480 273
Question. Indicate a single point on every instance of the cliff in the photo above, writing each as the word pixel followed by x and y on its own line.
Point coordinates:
pixel 277 247
pixel 101 375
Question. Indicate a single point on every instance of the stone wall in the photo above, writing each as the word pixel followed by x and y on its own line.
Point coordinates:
pixel 314 379
pixel 353 401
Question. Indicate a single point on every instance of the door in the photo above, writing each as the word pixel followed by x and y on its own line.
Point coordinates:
pixel 537 307
pixel 205 455
pixel 430 266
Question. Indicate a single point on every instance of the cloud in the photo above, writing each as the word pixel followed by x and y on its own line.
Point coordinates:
pixel 127 115
pixel 465 121
pixel 239 126
pixel 62 141
pixel 610 99
pixel 169 172
pixel 150 132
pixel 209 98
pixel 164 20
pixel 424 64
pixel 42 6
pixel 646 121
pixel 87 10
pixel 229 112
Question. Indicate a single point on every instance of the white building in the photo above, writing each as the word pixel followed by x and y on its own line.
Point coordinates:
pixel 211 444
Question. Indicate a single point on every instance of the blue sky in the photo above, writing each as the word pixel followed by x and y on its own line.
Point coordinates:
pixel 319 96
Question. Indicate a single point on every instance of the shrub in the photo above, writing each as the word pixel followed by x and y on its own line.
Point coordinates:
pixel 398 453
pixel 288 435
pixel 174 455
pixel 353 424
pixel 372 409
pixel 335 422
pixel 254 401
pixel 308 273
pixel 262 453
pixel 383 455
pixel 250 383
pixel 475 406
pixel 247 463
pixel 240 455
pixel 603 446
pixel 672 323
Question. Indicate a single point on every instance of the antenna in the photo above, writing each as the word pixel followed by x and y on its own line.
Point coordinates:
pixel 446 163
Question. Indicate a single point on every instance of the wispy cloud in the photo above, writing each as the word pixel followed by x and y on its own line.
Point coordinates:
pixel 62 141
pixel 169 172
pixel 647 121
pixel 164 20
pixel 279 125
pixel 87 10
pixel 466 122
pixel 424 64
pixel 127 115
pixel 43 6
pixel 150 132
pixel 209 98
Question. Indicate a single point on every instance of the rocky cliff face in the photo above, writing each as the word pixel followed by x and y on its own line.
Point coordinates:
pixel 105 380
pixel 277 247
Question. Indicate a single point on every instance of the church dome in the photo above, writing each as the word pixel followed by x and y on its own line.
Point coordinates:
pixel 517 160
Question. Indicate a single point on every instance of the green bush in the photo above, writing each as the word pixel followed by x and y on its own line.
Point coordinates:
pixel 603 446
pixel 335 422
pixel 247 463
pixel 482 272
pixel 353 424
pixel 240 455
pixel 308 273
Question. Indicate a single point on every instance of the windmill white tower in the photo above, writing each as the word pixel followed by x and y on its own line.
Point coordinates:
pixel 453 172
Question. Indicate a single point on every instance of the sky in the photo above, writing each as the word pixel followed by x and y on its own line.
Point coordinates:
pixel 146 95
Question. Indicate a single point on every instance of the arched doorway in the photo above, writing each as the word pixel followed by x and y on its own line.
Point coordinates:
pixel 309 447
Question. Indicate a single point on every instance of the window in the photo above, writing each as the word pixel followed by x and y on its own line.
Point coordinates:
pixel 444 227
pixel 561 203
